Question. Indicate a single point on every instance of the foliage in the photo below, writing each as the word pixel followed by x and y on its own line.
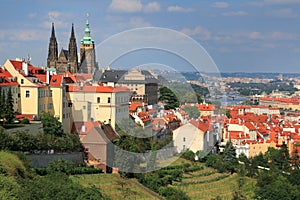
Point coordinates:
pixel 57 186
pixel 168 97
pixel 51 125
pixel 192 111
pixel 60 165
pixel 25 121
pixel 272 186
pixel 247 89
pixel 11 165
pixel 9 107
pixel 189 155
pixel 9 188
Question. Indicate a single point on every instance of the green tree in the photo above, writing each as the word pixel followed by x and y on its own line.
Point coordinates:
pixel 9 107
pixel 3 103
pixel 169 98
pixel 271 185
pixel 9 188
pixel 51 125
pixel 189 155
pixel 61 166
pixel 192 111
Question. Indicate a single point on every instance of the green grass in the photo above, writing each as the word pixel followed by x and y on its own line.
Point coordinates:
pixel 111 186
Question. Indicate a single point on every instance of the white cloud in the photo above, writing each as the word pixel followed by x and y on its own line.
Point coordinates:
pixel 179 9
pixel 255 35
pixel 59 19
pixel 282 13
pixel 203 33
pixel 131 6
pixel 283 36
pixel 151 7
pixel 274 2
pixel 235 13
pixel 220 5
pixel 23 35
pixel 127 6
pixel 137 22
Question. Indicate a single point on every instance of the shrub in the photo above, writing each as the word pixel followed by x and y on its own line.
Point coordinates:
pixel 25 121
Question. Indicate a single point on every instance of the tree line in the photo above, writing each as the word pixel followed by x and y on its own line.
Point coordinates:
pixel 6 106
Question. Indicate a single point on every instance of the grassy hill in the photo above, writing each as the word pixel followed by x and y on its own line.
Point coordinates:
pixel 113 186
pixel 204 183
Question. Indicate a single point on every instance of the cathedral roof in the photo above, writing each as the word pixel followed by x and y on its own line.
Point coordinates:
pixel 87 39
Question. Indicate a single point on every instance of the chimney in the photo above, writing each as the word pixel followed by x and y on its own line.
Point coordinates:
pixel 47 76
pixel 83 129
pixel 25 68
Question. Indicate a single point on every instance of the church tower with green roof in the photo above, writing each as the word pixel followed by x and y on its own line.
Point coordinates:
pixel 87 52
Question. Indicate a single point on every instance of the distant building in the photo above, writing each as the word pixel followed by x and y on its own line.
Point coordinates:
pixel 142 83
pixel 88 63
pixel 67 60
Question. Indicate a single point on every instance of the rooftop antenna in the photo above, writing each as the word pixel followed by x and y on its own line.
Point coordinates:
pixel 28 58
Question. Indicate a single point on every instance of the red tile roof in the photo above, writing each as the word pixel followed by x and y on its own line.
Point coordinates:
pixel 102 89
pixel 200 125
pixel 56 80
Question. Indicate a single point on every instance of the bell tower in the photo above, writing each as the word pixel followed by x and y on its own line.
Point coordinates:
pixel 52 51
pixel 87 51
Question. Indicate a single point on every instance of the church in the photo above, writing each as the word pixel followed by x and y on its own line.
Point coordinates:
pixel 69 60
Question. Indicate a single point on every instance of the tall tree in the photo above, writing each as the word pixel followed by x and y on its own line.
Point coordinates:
pixel 169 98
pixel 9 106
pixel 192 111
pixel 2 103
pixel 51 125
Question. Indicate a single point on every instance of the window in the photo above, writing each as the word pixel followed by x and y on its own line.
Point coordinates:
pixel 183 147
pixel 50 93
pixel 183 139
pixel 84 107
pixel 22 81
pixel 98 99
pixel 108 100
pixel 27 95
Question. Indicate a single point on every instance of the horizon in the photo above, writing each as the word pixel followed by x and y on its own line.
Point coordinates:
pixel 256 36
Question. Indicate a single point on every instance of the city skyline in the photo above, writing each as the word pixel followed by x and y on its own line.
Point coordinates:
pixel 245 36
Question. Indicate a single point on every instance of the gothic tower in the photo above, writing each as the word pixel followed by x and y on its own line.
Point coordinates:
pixel 87 52
pixel 72 54
pixel 52 51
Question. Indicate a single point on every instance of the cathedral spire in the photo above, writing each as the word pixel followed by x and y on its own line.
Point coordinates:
pixel 72 54
pixel 52 50
pixel 53 31
pixel 72 31
pixel 87 39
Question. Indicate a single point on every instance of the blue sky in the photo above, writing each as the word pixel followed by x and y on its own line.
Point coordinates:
pixel 240 36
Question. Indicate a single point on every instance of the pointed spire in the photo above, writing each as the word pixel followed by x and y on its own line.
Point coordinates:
pixel 53 31
pixel 87 31
pixel 87 39
pixel 72 31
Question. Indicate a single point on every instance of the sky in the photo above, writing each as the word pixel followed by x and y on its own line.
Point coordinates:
pixel 238 36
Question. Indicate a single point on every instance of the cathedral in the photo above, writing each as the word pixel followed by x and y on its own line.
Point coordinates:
pixel 67 60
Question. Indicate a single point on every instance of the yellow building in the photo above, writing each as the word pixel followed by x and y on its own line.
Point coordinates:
pixel 40 91
pixel 99 103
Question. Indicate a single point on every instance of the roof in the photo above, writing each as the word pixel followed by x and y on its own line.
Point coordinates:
pixel 118 76
pixel 96 89
pixel 134 106
pixel 200 125
pixel 84 128
pixel 110 133
pixel 56 80
pixel 6 79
